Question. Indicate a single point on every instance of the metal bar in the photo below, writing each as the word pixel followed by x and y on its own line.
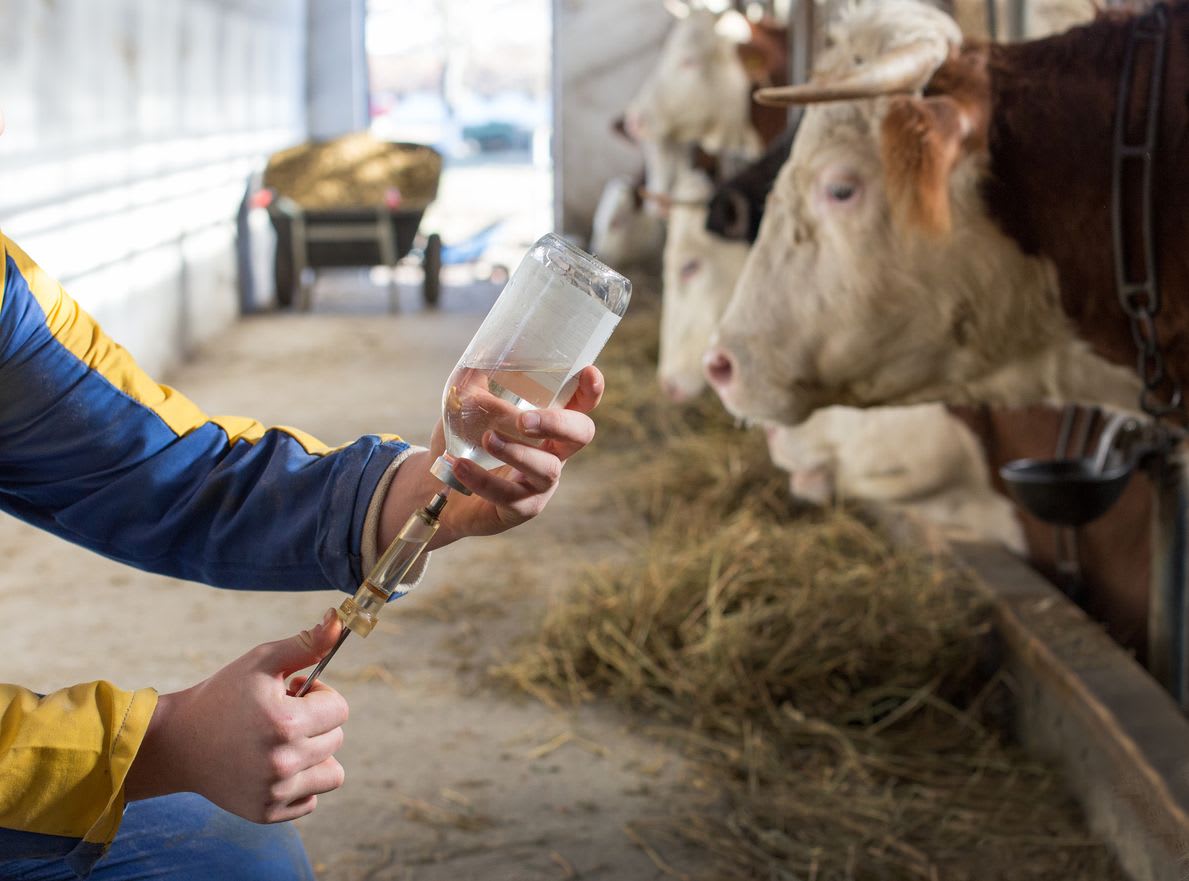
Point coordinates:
pixel 1166 603
pixel 317 671
pixel 1019 19
pixel 364 232
pixel 801 27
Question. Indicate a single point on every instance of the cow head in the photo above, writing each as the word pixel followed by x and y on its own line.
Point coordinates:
pixel 878 277
pixel 697 94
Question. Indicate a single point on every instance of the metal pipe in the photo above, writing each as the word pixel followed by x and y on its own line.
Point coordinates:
pixel 1167 600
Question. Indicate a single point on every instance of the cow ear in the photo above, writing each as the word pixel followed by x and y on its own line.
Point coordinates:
pixel 921 140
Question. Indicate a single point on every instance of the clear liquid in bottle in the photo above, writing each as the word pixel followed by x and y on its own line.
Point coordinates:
pixel 479 397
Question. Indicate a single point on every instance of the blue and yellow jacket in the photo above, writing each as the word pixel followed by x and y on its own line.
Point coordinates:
pixel 96 452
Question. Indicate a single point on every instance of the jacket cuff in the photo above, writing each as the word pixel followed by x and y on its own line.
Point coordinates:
pixel 369 549
pixel 125 744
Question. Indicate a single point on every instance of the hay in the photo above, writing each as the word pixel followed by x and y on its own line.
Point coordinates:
pixel 355 171
pixel 840 695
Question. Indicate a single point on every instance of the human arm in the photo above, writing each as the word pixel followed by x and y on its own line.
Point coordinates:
pixel 94 450
pixel 71 760
pixel 240 739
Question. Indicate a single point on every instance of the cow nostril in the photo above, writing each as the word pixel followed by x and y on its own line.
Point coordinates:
pixel 673 391
pixel 719 367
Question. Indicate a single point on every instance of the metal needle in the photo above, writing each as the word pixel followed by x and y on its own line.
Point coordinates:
pixel 322 664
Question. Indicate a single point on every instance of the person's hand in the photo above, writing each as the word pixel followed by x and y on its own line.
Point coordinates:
pixel 242 741
pixel 503 497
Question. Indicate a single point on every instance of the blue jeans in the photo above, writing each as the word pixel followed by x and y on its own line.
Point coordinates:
pixel 184 837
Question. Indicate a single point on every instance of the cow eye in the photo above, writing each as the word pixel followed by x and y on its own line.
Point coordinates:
pixel 841 192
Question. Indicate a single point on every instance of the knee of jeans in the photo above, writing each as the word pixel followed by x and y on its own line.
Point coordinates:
pixel 204 841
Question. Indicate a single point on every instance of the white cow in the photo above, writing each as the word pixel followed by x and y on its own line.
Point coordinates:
pixel 699 273
pixel 623 234
pixel 891 265
pixel 920 460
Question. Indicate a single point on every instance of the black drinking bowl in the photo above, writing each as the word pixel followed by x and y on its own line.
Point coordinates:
pixel 1068 492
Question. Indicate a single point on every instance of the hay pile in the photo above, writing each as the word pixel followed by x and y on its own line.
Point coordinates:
pixel 839 696
pixel 355 171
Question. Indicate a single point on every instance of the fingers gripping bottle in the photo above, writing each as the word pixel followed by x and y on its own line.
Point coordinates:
pixel 552 319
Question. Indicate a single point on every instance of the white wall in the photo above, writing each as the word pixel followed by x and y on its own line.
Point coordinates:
pixel 132 127
pixel 603 50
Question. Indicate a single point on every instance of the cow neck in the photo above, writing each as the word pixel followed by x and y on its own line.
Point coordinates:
pixel 1050 141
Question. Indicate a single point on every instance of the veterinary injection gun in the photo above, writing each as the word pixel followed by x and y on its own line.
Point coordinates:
pixel 360 613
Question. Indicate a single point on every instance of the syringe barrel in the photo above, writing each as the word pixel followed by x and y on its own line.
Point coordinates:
pixel 361 612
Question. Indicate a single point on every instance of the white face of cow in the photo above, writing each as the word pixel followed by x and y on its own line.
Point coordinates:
pixel 698 94
pixel 700 271
pixel 878 277
pixel 824 311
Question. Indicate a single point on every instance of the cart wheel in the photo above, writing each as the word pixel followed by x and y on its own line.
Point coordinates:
pixel 432 265
pixel 283 272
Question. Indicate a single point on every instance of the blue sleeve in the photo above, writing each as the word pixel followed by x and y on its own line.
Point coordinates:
pixel 96 452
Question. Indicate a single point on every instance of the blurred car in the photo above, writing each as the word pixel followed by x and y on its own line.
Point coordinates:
pixel 498 136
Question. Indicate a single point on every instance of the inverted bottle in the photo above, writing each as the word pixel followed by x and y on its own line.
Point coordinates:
pixel 552 319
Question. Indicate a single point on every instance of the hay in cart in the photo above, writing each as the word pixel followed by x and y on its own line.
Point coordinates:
pixel 355 171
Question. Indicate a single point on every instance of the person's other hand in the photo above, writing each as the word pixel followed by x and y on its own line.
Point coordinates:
pixel 502 497
pixel 242 741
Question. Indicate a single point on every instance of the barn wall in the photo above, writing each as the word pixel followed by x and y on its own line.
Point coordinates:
pixel 132 127
pixel 603 50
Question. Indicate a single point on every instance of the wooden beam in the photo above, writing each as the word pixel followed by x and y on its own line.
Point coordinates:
pixel 1086 704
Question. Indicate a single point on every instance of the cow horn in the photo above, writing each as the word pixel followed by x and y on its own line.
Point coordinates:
pixel 899 71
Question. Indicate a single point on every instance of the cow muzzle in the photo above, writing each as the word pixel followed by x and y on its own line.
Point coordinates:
pixel 720 369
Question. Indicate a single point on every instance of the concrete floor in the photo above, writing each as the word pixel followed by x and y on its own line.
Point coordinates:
pixel 447 776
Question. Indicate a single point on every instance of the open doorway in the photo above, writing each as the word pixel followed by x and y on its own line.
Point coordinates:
pixel 473 81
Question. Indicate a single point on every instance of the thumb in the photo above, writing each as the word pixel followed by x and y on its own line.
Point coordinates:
pixel 286 656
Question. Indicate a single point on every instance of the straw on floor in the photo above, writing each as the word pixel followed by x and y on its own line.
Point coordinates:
pixel 840 696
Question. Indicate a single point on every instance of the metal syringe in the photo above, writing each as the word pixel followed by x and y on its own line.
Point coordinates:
pixel 360 613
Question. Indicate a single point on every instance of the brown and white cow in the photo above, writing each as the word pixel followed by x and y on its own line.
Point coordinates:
pixel 954 244
pixel 699 93
pixel 941 230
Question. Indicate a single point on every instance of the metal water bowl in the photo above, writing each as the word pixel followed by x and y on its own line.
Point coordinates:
pixel 1067 492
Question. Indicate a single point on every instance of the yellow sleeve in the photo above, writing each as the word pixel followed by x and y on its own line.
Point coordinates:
pixel 63 760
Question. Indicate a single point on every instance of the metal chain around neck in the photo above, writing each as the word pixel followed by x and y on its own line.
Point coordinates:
pixel 1141 299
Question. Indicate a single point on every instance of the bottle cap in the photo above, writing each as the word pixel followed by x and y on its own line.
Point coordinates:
pixel 444 471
